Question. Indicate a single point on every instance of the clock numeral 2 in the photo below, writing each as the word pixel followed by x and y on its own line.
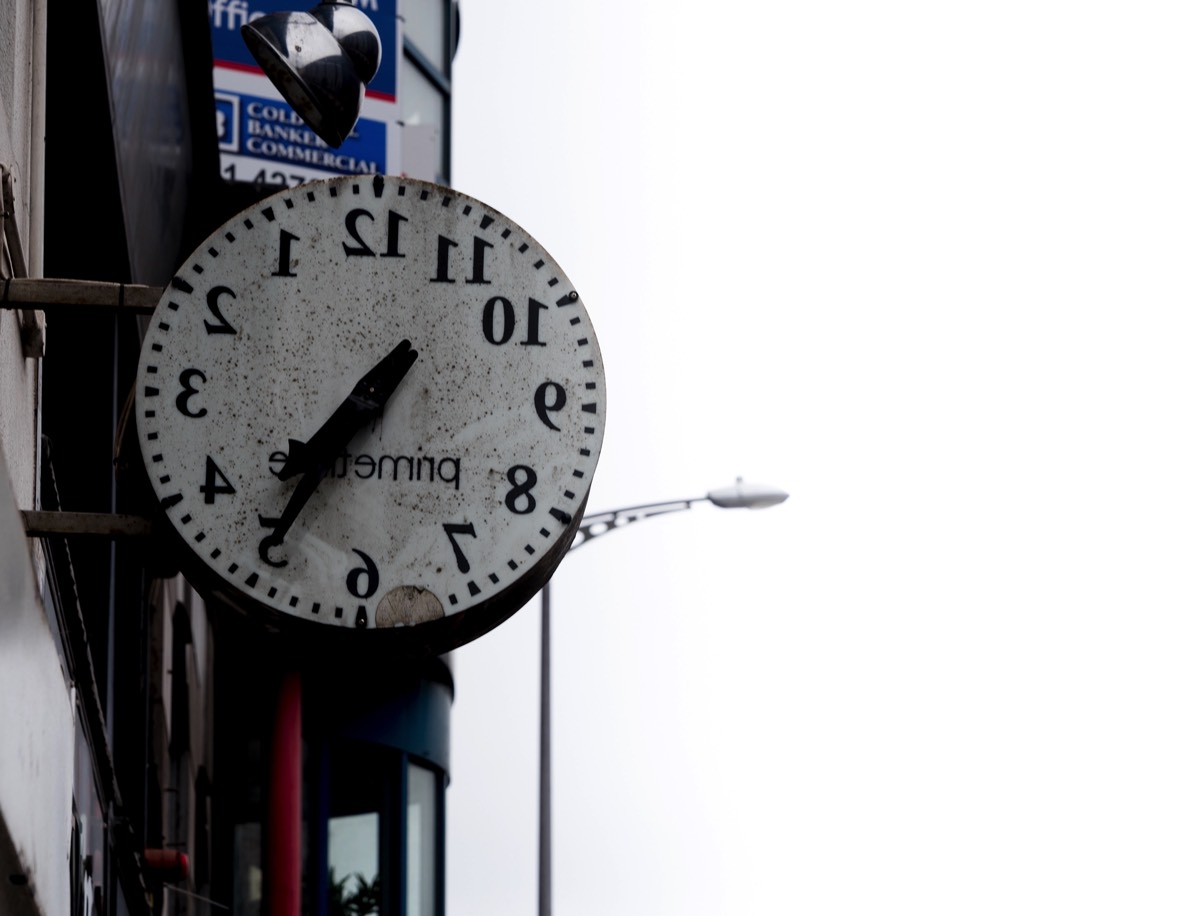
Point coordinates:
pixel 221 325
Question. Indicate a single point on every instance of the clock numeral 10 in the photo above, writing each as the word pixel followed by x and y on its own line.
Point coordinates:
pixel 500 322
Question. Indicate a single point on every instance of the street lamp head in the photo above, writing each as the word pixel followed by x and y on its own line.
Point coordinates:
pixel 320 61
pixel 746 496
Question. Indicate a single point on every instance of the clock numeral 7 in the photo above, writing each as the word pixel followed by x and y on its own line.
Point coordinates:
pixel 451 530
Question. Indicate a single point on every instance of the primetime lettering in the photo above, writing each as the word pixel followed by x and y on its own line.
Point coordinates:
pixel 423 468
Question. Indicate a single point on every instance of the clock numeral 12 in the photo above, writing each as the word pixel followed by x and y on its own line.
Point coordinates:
pixel 361 249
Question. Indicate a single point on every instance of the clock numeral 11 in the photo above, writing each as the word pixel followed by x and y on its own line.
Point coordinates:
pixel 477 260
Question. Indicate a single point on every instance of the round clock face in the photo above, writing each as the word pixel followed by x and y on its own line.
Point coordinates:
pixel 372 402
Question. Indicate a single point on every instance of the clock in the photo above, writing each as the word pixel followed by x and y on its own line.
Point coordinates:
pixel 371 403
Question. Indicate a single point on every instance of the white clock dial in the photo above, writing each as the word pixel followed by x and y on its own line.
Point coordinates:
pixel 372 402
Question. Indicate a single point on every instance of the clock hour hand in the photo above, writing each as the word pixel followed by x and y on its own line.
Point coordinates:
pixel 365 402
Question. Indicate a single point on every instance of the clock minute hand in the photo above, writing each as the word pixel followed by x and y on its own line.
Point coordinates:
pixel 365 402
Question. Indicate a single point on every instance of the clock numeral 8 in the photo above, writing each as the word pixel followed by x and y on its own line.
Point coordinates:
pixel 520 499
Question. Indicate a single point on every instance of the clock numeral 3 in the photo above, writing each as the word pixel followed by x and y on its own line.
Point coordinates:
pixel 451 530
pixel 183 401
pixel 499 308
pixel 520 499
pixel 212 488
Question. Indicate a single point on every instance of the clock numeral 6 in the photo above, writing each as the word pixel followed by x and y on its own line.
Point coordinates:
pixel 363 581
pixel 500 321
pixel 183 402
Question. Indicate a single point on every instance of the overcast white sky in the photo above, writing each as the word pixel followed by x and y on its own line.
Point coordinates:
pixel 933 268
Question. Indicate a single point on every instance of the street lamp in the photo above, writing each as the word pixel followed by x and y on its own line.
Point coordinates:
pixel 740 496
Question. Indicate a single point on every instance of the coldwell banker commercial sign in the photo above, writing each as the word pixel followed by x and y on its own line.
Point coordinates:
pixel 262 139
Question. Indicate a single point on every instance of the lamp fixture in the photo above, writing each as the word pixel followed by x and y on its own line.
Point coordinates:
pixel 320 61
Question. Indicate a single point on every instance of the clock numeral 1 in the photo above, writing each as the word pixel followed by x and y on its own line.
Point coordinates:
pixel 451 530
pixel 284 266
pixel 212 488
pixel 500 308
pixel 478 253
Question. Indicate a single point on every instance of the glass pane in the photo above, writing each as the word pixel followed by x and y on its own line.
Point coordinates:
pixel 354 864
pixel 421 842
pixel 425 26
pixel 423 102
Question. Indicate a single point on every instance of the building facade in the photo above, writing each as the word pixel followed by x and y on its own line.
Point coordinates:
pixel 160 756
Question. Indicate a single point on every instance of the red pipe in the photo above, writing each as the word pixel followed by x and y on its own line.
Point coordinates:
pixel 283 804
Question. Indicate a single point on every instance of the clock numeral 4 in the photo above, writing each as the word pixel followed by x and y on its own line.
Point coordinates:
pixel 215 482
pixel 451 530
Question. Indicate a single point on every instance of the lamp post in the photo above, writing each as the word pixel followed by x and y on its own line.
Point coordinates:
pixel 739 496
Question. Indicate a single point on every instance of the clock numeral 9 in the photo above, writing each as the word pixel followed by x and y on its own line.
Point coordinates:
pixel 361 249
pixel 545 406
pixel 500 321
pixel 520 499
pixel 363 581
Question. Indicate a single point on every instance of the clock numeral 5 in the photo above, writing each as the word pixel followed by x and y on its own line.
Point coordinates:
pixel 498 309
pixel 361 249
pixel 453 529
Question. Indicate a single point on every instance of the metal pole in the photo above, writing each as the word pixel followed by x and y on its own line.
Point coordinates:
pixel 544 771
